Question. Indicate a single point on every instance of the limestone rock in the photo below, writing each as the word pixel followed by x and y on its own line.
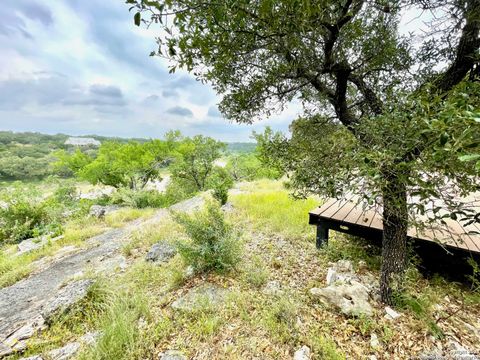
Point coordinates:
pixel 343 266
pixel 172 355
pixel 351 299
pixel 374 342
pixel 29 245
pixel 66 298
pixel 391 314
pixel 273 288
pixel 362 265
pixel 161 252
pixel 459 352
pixel 65 352
pixel 302 354
pixel 227 207
pixel 97 211
pixel 15 342
pixel 341 272
pixel 208 292
pixel 5 350
pixel 331 276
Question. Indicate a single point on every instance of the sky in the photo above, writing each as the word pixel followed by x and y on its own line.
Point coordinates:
pixel 81 67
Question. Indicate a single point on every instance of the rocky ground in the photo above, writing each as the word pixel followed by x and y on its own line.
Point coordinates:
pixel 28 305
pixel 285 300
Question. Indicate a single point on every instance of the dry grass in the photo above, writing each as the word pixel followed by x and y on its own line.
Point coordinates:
pixel 252 323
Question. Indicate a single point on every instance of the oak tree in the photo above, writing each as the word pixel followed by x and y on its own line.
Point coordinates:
pixel 387 114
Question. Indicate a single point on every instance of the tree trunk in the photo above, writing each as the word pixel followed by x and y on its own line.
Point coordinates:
pixel 395 226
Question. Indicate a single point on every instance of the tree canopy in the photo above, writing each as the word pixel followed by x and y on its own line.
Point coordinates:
pixel 130 165
pixel 385 113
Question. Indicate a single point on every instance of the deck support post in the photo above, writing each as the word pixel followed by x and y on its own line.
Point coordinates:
pixel 322 235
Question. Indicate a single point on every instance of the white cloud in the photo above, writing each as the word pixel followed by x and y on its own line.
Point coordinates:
pixel 82 67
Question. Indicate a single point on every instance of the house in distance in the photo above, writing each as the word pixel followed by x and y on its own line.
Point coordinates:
pixel 81 141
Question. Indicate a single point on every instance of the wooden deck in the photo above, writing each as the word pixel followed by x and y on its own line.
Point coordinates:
pixel 349 216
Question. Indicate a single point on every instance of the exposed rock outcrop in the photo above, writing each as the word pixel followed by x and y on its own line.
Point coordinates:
pixel 161 252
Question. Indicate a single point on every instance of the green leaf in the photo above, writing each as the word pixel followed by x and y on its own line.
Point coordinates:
pixel 137 18
pixel 469 157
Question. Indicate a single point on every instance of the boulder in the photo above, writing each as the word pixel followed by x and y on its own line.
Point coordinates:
pixel 331 276
pixel 302 354
pixel 66 298
pixel 161 252
pixel 227 207
pixel 459 352
pixel 208 292
pixel 172 355
pixel 343 266
pixel 69 350
pixel 351 299
pixel 341 271
pixel 97 211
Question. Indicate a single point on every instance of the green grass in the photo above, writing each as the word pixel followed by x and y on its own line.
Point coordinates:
pixel 275 211
pixel 256 273
pixel 124 215
pixel 148 235
pixel 14 268
pixel 133 312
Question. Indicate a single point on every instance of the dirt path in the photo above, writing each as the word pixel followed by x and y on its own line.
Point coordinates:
pixel 23 301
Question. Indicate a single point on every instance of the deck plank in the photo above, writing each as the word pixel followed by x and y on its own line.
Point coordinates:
pixel 348 210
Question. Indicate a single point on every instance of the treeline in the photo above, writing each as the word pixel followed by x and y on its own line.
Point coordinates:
pixel 31 156
pixel 135 170
pixel 195 164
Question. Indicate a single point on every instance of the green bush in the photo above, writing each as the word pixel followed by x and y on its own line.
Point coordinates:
pixel 214 245
pixel 149 198
pixel 25 215
pixel 66 195
pixel 221 181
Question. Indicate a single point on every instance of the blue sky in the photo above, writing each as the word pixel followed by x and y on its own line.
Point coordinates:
pixel 82 67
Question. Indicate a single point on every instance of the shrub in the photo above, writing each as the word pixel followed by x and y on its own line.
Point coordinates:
pixel 150 198
pixel 66 195
pixel 214 244
pixel 220 181
pixel 21 216
pixel 25 214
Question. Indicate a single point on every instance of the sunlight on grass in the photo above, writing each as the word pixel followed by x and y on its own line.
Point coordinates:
pixel 143 238
pixel 120 217
pixel 14 268
pixel 276 211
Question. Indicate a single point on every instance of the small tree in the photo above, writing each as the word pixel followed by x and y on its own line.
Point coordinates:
pixel 384 116
pixel 196 161
pixel 214 244
pixel 130 165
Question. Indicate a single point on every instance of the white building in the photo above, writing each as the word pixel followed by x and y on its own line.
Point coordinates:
pixel 79 141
